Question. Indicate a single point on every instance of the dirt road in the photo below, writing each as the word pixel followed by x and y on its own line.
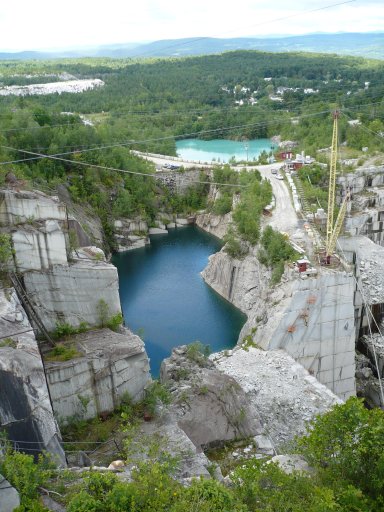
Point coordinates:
pixel 284 217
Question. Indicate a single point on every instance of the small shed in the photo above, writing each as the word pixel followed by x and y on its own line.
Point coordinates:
pixel 302 265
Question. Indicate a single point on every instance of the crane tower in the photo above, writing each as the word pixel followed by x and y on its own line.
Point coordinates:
pixel 333 229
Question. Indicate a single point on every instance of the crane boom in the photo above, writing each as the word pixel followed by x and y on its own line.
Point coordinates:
pixel 332 184
pixel 338 225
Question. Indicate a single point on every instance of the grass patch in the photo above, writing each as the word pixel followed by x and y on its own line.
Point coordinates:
pixel 62 353
pixel 223 455
pixel 8 342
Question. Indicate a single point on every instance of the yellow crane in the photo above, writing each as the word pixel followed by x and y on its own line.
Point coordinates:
pixel 333 229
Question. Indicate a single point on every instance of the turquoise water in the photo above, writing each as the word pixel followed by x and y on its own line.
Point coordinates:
pixel 165 300
pixel 221 150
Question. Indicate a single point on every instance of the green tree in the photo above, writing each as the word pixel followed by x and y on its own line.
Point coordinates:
pixel 346 446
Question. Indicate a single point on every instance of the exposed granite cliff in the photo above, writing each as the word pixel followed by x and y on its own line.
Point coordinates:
pixel 25 408
pixel 312 319
pixel 109 366
pixel 65 285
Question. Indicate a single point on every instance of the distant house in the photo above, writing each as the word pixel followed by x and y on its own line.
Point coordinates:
pixel 285 155
pixel 298 162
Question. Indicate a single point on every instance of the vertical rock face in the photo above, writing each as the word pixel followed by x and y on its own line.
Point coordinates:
pixel 72 293
pixel 316 327
pixel 25 409
pixel 312 319
pixel 39 248
pixel 9 497
pixel 26 206
pixel 110 365
pixel 217 225
pixel 242 282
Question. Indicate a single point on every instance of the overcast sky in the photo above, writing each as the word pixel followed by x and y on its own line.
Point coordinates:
pixel 48 24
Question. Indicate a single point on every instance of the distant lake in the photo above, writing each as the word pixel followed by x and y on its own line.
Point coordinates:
pixel 221 150
pixel 165 299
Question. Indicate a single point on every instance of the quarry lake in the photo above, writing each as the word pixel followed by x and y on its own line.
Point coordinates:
pixel 166 301
pixel 222 150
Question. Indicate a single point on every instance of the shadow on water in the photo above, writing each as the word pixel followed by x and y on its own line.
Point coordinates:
pixel 165 300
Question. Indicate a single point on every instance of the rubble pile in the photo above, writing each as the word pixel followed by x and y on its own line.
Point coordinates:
pixel 285 395
pixel 367 383
pixel 372 277
pixel 374 349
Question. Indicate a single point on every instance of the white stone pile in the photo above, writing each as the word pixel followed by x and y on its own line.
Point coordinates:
pixel 71 86
pixel 372 276
pixel 284 393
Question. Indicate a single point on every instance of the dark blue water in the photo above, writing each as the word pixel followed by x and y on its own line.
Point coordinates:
pixel 165 300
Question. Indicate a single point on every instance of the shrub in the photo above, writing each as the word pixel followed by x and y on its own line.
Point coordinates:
pixel 63 330
pixel 249 210
pixel 275 251
pixel 222 205
pixel 114 322
pixel 197 352
pixel 26 476
pixel 346 445
pixel 6 251
pixel 233 246
pixel 154 393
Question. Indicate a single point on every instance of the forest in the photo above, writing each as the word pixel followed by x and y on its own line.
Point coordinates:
pixel 148 104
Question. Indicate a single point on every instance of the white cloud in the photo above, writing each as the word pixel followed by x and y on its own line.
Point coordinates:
pixel 39 24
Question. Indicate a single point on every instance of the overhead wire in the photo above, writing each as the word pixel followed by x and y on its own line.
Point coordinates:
pixel 192 134
pixel 157 139
pixel 106 168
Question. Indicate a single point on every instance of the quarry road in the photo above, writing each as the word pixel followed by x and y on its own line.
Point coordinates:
pixel 284 217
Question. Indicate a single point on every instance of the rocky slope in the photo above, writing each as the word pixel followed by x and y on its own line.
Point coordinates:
pixel 264 397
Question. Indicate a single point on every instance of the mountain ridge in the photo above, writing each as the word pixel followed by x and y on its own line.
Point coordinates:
pixel 368 45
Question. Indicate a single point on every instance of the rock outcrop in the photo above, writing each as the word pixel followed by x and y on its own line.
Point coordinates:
pixel 209 406
pixel 131 234
pixel 263 397
pixel 9 497
pixel 72 293
pixel 368 384
pixel 20 207
pixel 108 366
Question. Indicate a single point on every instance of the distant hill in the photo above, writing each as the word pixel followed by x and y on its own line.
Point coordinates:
pixel 370 45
